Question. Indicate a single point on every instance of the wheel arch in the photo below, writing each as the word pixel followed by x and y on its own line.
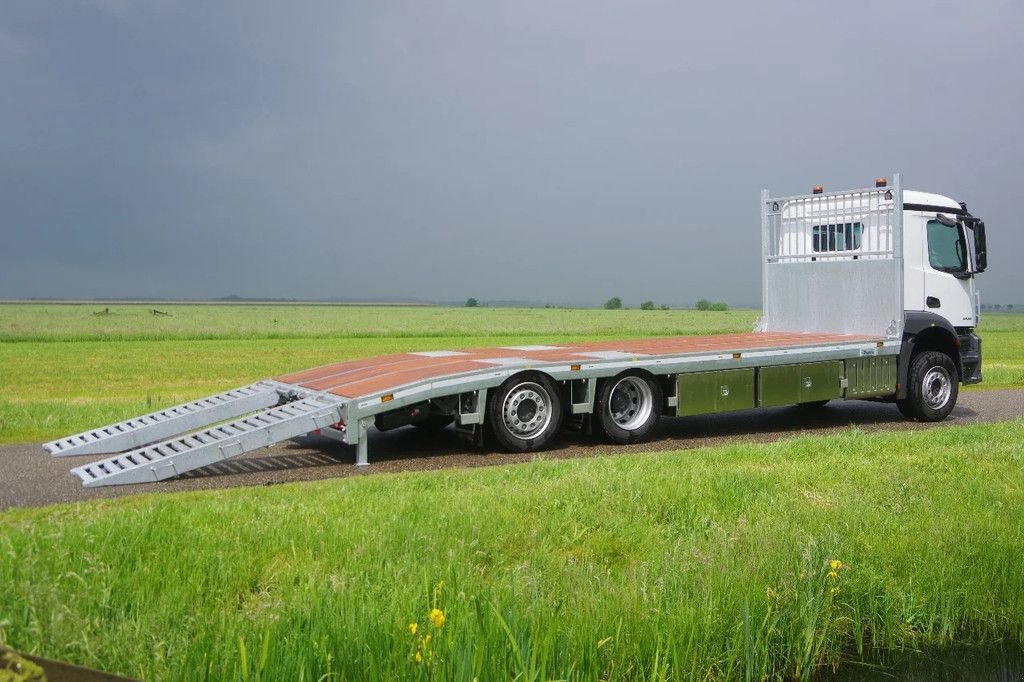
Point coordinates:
pixel 926 332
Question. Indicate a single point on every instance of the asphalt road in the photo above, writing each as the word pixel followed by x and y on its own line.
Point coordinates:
pixel 29 477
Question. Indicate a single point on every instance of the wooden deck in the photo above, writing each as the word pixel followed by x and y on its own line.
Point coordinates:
pixel 358 378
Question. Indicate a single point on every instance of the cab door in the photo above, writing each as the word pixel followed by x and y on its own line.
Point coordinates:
pixel 948 284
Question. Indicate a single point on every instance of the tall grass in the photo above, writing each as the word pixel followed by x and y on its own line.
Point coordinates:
pixel 709 564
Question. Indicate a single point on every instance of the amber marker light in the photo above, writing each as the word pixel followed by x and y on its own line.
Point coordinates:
pixel 574 368
pixel 881 182
pixel 818 189
pixel 387 398
pixel 737 356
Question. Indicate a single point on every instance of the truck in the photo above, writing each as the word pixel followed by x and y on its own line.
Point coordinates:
pixel 867 294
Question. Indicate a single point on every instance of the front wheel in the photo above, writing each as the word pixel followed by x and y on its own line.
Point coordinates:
pixel 628 406
pixel 525 412
pixel 932 388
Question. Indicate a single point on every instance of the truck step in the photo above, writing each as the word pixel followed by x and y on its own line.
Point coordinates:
pixel 157 426
pixel 178 455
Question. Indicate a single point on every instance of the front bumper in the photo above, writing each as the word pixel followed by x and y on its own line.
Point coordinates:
pixel 970 356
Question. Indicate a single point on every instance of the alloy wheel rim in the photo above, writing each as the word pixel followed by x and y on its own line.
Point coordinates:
pixel 630 403
pixel 936 387
pixel 526 410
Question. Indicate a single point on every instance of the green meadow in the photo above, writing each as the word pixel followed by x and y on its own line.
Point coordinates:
pixel 66 368
pixel 788 560
pixel 844 554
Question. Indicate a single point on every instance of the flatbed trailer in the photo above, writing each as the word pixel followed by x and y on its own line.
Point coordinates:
pixel 836 325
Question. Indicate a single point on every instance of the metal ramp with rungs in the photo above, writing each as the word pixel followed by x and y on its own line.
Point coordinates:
pixel 181 454
pixel 157 426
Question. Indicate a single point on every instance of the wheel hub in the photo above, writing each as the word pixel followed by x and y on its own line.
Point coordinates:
pixel 526 410
pixel 630 403
pixel 936 387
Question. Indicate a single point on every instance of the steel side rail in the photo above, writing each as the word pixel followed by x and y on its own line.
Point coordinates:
pixel 194 450
pixel 163 424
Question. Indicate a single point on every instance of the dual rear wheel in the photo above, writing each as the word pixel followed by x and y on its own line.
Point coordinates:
pixel 628 406
pixel 526 411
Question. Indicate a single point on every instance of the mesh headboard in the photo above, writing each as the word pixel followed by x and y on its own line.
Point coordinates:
pixel 833 263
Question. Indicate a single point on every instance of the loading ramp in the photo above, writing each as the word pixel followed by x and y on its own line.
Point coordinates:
pixel 181 454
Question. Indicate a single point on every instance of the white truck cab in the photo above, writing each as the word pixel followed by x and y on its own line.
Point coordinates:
pixel 939 263
pixel 884 261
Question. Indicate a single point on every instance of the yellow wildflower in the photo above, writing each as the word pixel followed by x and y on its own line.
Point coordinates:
pixel 834 590
pixel 413 627
pixel 832 575
pixel 426 641
pixel 419 657
pixel 437 618
pixel 835 564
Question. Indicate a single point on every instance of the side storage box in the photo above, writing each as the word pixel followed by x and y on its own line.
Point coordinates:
pixel 722 391
pixel 803 383
pixel 871 376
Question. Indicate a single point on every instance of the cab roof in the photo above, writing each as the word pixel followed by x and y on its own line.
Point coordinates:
pixel 928 199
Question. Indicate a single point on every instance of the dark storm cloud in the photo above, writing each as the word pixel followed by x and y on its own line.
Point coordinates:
pixel 545 151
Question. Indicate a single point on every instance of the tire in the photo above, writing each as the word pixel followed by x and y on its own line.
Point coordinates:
pixel 813 406
pixel 525 412
pixel 932 388
pixel 627 406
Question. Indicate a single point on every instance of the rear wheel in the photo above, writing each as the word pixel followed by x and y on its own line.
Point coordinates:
pixel 628 406
pixel 525 412
pixel 932 388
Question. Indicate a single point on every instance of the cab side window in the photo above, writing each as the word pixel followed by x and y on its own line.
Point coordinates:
pixel 946 249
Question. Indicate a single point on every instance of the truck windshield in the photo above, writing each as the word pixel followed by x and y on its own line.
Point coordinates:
pixel 946 250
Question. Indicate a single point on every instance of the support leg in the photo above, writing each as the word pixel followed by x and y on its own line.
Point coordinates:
pixel 361 445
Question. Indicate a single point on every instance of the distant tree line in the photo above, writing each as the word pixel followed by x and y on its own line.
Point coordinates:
pixel 615 303
pixel 998 306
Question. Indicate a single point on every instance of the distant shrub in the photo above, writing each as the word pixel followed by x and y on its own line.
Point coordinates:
pixel 704 304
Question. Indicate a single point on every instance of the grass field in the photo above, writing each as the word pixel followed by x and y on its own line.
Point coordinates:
pixel 64 369
pixel 705 564
pixel 710 564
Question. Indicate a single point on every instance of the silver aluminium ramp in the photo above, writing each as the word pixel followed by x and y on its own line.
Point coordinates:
pixel 163 424
pixel 181 454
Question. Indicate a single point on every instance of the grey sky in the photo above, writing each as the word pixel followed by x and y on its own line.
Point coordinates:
pixel 546 151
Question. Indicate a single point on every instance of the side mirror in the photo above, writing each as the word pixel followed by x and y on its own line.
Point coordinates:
pixel 980 251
